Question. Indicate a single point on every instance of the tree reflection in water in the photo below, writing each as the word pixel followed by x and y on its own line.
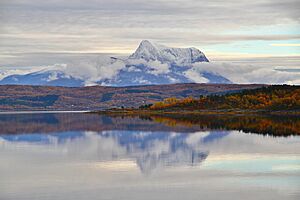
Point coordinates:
pixel 45 123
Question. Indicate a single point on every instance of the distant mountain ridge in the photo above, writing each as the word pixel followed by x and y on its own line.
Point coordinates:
pixel 49 78
pixel 150 64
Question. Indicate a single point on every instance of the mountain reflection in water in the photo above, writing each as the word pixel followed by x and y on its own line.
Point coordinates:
pixel 149 150
pixel 89 156
pixel 151 141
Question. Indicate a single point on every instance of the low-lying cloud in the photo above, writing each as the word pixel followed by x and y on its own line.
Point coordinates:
pixel 247 73
pixel 99 69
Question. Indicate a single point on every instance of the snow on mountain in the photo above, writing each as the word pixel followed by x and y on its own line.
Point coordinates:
pixel 151 63
pixel 156 52
pixel 47 77
pixel 7 71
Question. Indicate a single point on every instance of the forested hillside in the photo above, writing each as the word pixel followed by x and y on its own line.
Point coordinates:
pixel 277 97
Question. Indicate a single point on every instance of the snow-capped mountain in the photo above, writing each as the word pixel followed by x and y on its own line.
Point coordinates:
pixel 48 77
pixel 150 64
pixel 157 52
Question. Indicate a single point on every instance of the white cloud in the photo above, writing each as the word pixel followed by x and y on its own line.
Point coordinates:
pixel 94 70
pixel 53 76
pixel 4 72
pixel 173 80
pixel 245 73
pixel 153 67
pixel 194 74
pixel 133 69
pixel 156 68
pixel 141 81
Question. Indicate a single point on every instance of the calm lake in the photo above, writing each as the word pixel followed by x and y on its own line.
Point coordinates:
pixel 74 156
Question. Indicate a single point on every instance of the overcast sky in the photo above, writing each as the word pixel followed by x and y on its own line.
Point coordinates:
pixel 231 28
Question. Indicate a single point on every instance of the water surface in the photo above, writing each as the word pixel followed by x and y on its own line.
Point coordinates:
pixel 88 156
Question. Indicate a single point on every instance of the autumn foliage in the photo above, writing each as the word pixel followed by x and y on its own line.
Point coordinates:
pixel 278 97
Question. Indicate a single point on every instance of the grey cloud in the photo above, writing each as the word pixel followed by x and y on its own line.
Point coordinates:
pixel 74 25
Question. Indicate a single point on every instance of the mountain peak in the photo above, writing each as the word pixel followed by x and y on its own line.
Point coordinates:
pixel 146 50
pixel 145 43
pixel 150 51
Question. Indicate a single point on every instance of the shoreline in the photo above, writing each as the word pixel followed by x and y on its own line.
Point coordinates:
pixel 199 112
pixel 161 112
pixel 43 112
